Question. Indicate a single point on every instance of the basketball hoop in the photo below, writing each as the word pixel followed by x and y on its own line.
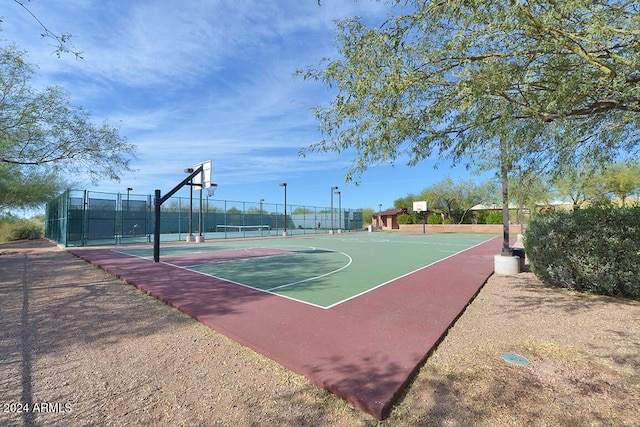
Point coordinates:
pixel 211 189
pixel 420 206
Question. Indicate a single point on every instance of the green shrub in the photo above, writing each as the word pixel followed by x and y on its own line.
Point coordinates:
pixel 12 228
pixel 590 250
pixel 493 218
pixel 405 219
pixel 434 219
pixel 447 221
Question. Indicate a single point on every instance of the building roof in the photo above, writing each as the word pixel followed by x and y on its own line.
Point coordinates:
pixel 390 212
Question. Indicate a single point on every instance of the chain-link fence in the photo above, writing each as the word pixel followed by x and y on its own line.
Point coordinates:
pixel 87 218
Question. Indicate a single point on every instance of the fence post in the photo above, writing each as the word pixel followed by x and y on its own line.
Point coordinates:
pixel 85 217
pixel 119 217
pixel 66 202
pixel 244 222
pixel 147 230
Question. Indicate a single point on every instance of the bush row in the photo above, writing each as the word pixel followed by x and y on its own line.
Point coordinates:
pixel 590 250
pixel 12 228
pixel 477 218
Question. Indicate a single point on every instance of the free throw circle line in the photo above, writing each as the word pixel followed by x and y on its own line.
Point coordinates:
pixel 316 277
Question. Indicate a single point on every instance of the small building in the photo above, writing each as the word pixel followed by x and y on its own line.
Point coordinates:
pixel 389 219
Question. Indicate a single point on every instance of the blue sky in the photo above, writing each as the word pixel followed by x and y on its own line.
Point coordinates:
pixel 191 81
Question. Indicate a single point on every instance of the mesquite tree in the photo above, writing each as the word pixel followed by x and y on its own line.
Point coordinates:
pixel 450 78
pixel 43 135
pixel 516 82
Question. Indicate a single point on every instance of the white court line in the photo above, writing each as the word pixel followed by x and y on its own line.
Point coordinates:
pixel 406 274
pixel 243 284
pixel 229 280
pixel 311 247
pixel 240 259
pixel 286 285
pixel 317 277
pixel 270 290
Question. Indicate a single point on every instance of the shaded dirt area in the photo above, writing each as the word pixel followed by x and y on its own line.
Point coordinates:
pixel 82 348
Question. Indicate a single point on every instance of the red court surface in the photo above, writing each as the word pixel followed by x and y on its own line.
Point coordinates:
pixel 364 350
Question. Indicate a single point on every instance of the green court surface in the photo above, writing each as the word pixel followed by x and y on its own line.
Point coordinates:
pixel 320 270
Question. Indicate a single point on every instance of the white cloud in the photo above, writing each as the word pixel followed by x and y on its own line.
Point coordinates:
pixel 197 80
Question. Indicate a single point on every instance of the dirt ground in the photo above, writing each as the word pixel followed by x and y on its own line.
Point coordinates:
pixel 78 348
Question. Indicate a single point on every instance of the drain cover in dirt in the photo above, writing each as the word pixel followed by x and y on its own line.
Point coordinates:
pixel 515 358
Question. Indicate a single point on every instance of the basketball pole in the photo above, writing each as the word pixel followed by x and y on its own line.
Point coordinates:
pixel 421 207
pixel 200 238
pixel 190 237
pixel 158 201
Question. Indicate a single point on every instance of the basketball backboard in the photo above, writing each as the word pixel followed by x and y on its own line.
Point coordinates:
pixel 203 180
pixel 419 206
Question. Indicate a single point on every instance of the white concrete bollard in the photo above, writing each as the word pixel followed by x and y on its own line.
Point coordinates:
pixel 506 265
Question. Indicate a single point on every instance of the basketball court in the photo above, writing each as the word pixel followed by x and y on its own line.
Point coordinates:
pixel 357 313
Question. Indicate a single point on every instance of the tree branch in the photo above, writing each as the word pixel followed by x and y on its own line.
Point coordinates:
pixel 63 40
pixel 596 108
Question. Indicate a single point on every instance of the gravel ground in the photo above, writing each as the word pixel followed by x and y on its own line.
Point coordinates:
pixel 78 348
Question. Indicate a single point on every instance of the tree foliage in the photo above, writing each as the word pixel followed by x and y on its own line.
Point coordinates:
pixel 453 197
pixel 623 180
pixel 302 211
pixel 26 187
pixel 575 183
pixel 593 185
pixel 449 78
pixel 40 128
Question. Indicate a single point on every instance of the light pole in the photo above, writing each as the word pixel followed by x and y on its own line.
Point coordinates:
pixel 340 222
pixel 200 237
pixel 331 211
pixel 284 184
pixel 380 215
pixel 261 224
